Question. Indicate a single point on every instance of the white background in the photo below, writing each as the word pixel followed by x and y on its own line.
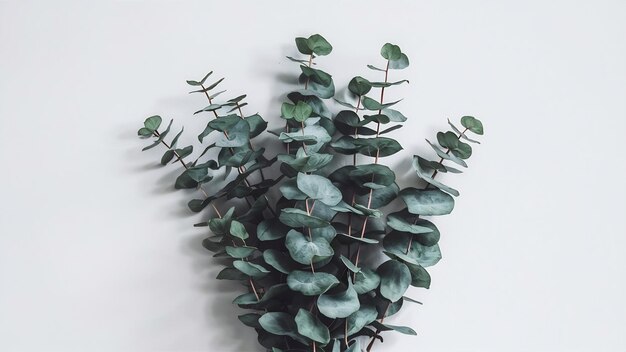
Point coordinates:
pixel 97 251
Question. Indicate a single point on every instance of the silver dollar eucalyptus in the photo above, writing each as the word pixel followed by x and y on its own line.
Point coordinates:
pixel 326 253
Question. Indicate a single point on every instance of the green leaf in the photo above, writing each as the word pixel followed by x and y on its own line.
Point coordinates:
pixel 184 152
pixel 287 111
pixel 278 323
pixel 399 64
pixel 297 60
pixel 317 76
pixel 257 124
pixel 365 281
pixel 372 176
pixel 447 156
pixel 349 264
pixel 388 84
pixel 311 284
pixel 384 196
pixel 391 52
pixel 250 269
pixel 239 252
pixel 278 260
pixel 394 115
pixel 271 229
pixel 427 202
pixel 343 103
pixel 161 137
pixel 319 45
pixel 396 244
pixel 419 276
pixel 339 305
pixel 250 319
pixel 299 218
pixel 379 146
pixel 303 46
pixel 201 82
pixel 302 111
pixel 231 274
pixel 472 124
pixel 289 189
pixel 311 327
pixel 395 279
pixel 361 318
pixel 451 141
pixel 351 239
pixel 421 173
pixel 319 108
pixel 371 67
pixel 401 329
pixel 371 104
pixel 167 157
pixel 398 222
pixel 214 84
pixel 152 123
pixel 319 188
pixel 191 177
pixel 306 163
pixel 314 136
pixel 305 250
pixel 463 135
pixel 359 86
pixel 212 107
pixel 238 136
pixel 144 132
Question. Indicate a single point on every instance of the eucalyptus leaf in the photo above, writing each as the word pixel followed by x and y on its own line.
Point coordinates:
pixel 305 250
pixel 311 284
pixel 427 202
pixel 472 124
pixel 311 327
pixel 395 279
pixel 319 188
pixel 339 305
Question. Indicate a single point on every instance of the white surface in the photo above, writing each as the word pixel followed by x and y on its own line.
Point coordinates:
pixel 97 251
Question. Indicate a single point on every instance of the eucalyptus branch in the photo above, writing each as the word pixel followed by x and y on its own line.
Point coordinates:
pixel 300 286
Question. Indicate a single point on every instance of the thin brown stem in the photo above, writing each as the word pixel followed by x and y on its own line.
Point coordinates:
pixel 369 197
pixel 256 294
pixel 447 152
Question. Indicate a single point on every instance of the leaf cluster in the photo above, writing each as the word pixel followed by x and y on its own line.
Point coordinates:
pixel 294 228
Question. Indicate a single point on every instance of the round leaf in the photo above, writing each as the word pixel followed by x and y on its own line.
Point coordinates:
pixel 339 305
pixel 395 279
pixel 319 188
pixel 305 251
pixel 311 327
pixel 427 202
pixel 311 284
pixel 472 124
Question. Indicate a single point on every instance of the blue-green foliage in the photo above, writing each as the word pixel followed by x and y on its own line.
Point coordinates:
pixel 295 226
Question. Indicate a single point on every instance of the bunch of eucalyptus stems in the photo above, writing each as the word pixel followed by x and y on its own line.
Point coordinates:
pixel 322 236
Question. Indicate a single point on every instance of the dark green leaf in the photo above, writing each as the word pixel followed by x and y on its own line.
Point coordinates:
pixel 359 86
pixel 305 250
pixel 250 269
pixel 391 52
pixel 471 123
pixel 201 82
pixel 427 202
pixel 401 63
pixel 311 327
pixel 319 45
pixel 339 305
pixel 361 318
pixel 311 284
pixel 395 279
